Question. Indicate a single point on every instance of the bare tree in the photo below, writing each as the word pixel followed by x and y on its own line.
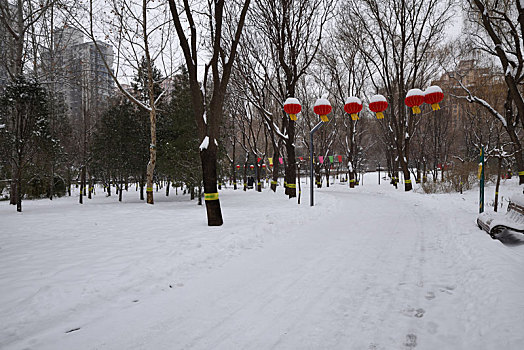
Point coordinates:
pixel 397 40
pixel 222 26
pixel 497 29
pixel 293 30
pixel 139 31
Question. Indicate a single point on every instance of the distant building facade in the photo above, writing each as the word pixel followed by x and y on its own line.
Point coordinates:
pixel 474 78
pixel 78 71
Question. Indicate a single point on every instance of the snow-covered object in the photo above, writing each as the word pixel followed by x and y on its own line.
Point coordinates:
pixel 292 107
pixel 322 107
pixel 205 143
pixel 353 106
pixel 493 223
pixel 378 104
pixel 414 98
pixel 432 96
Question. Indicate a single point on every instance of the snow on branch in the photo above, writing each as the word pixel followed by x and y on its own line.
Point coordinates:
pixel 472 98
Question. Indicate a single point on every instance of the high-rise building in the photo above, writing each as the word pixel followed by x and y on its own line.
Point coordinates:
pixel 78 71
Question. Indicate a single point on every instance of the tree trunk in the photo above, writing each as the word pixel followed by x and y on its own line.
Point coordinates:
pixel 52 182
pixel 259 184
pixel 142 187
pixel 291 169
pixel 518 152
pixel 299 187
pixel 19 192
pixel 121 185
pixel 274 177
pixel 82 184
pixel 167 187
pixel 408 186
pixel 209 171
pixel 90 188
pixel 497 186
pixel 245 176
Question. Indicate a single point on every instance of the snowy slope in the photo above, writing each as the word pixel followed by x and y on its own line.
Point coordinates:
pixel 369 268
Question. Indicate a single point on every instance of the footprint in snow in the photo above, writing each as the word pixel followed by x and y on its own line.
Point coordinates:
pixel 447 289
pixel 411 341
pixel 410 312
pixel 430 296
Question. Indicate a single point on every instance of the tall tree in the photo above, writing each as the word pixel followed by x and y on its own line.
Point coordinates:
pixel 293 31
pixel 26 120
pixel 498 29
pixel 397 40
pixel 224 24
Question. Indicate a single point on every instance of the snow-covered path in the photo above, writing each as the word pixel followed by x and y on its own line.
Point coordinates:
pixel 364 269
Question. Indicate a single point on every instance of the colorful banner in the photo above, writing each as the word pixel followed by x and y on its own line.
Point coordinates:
pixel 281 160
pixel 331 160
pixel 339 159
pixel 321 159
pixel 270 161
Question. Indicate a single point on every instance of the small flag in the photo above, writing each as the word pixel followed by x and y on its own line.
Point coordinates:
pixel 339 159
pixel 301 158
pixel 321 159
pixel 270 161
pixel 331 160
pixel 281 160
pixel 258 160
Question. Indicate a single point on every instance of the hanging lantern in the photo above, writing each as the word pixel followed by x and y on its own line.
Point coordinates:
pixel 292 107
pixel 432 96
pixel 322 108
pixel 414 98
pixel 263 166
pixel 353 106
pixel 378 104
pixel 238 166
pixel 252 166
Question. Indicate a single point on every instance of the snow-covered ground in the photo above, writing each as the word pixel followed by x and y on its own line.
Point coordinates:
pixel 368 268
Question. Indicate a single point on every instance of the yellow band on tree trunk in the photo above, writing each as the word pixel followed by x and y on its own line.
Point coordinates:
pixel 211 196
pixel 521 173
pixel 407 181
pixel 149 189
pixel 291 186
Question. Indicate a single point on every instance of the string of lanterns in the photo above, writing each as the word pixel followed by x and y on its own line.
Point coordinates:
pixel 377 104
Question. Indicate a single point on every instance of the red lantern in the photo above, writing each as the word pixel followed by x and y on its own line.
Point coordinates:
pixel 353 106
pixel 432 96
pixel 263 166
pixel 378 104
pixel 414 98
pixel 292 107
pixel 322 108
pixel 238 166
pixel 252 166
